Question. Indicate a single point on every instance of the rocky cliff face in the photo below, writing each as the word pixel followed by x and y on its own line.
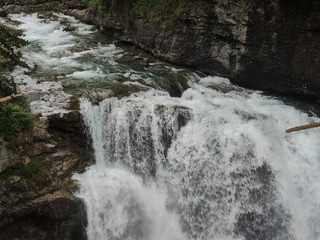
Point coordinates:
pixel 35 184
pixel 36 200
pixel 272 45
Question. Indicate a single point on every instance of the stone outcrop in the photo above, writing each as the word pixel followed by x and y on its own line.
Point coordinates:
pixel 7 158
pixel 36 167
pixel 273 45
pixel 56 215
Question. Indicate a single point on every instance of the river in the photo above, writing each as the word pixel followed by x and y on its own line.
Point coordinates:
pixel 179 155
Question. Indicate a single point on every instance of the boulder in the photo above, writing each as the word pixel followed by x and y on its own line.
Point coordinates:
pixel 44 15
pixel 40 128
pixel 56 205
pixel 7 158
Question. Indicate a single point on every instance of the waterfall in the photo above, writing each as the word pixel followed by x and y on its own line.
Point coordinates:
pixel 213 164
pixel 131 140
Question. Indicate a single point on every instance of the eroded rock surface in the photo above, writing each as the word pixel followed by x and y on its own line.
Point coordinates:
pixel 36 167
pixel 273 45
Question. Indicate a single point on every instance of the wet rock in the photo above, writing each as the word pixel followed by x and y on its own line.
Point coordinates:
pixel 47 79
pixel 145 63
pixel 44 15
pixel 36 149
pixel 44 156
pixel 67 121
pixel 57 212
pixel 14 179
pixel 273 221
pixel 183 115
pixel 48 148
pixel 7 158
pixel 57 205
pixel 121 90
pixel 69 29
pixel 40 127
pixel 27 160
pixel 246 41
pixel 139 57
pixel 99 95
pixel 3 13
pixel 4 66
pixel 64 21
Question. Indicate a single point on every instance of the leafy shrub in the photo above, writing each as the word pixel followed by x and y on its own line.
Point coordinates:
pixel 10 40
pixel 13 120
pixel 7 86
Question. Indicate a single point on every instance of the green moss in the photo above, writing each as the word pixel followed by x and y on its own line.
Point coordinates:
pixel 34 176
pixel 31 168
pixel 13 120
pixel 22 185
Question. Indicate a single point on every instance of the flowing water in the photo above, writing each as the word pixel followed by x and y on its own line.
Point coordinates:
pixel 212 164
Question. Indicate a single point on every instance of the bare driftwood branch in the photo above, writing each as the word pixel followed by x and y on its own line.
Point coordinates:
pixel 303 127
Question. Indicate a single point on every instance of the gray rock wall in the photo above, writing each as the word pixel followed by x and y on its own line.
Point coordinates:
pixel 273 45
pixel 267 44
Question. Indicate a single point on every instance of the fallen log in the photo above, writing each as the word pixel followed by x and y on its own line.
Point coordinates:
pixel 5 99
pixel 303 127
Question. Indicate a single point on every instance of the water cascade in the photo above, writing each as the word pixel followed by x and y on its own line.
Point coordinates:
pixel 213 164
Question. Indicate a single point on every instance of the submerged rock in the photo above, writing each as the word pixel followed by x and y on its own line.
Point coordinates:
pixel 46 15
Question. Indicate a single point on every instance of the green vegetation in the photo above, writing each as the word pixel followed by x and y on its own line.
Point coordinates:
pixel 154 10
pixel 22 185
pixel 34 176
pixel 31 168
pixel 7 86
pixel 13 120
pixel 10 40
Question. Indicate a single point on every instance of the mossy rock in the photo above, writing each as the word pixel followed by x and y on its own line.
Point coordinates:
pixel 70 185
pixel 13 120
pixel 121 90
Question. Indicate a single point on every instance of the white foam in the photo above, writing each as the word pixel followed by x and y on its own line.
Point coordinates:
pixel 120 206
pixel 209 170
pixel 87 74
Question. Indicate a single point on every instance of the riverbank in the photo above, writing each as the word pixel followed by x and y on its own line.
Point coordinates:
pixel 265 45
pixel 36 166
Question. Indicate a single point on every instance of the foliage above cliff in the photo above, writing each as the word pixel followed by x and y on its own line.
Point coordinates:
pixel 152 9
pixel 10 41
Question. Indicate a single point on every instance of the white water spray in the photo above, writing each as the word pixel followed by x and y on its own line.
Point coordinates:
pixel 224 165
pixel 214 164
